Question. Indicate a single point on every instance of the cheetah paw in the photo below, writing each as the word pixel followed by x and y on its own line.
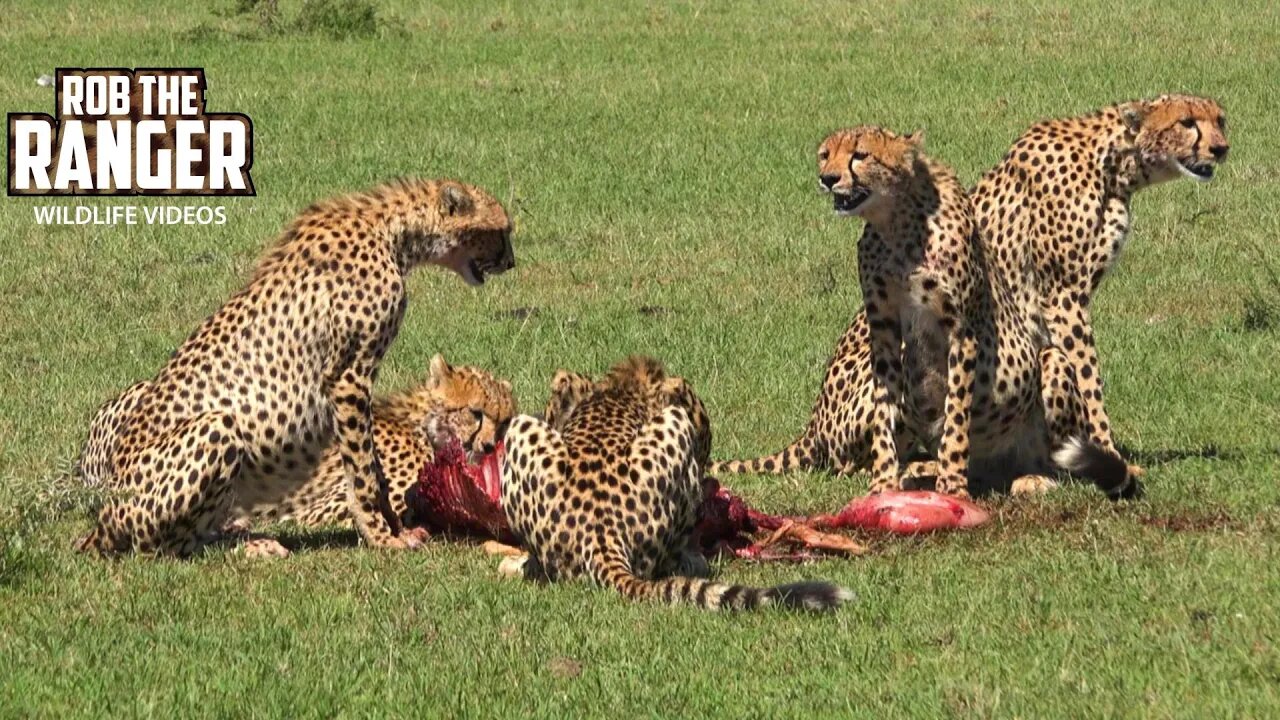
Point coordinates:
pixel 408 539
pixel 1030 485
pixel 264 548
pixel 415 536
pixel 512 566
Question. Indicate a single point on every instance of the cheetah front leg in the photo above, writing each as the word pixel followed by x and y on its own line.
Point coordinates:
pixel 953 449
pixel 886 353
pixel 1071 329
pixel 352 399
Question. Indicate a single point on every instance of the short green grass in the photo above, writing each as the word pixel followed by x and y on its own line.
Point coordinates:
pixel 659 155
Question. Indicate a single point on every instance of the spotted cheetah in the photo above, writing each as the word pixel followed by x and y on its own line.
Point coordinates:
pixel 1056 210
pixel 1099 160
pixel 613 493
pixel 456 402
pixel 247 405
pixel 837 436
pixel 954 347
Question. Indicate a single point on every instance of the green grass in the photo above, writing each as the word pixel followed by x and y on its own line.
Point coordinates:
pixel 660 154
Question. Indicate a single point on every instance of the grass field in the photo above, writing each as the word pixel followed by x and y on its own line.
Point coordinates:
pixel 659 160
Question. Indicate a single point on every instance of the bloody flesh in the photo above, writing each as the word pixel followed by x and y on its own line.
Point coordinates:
pixel 456 497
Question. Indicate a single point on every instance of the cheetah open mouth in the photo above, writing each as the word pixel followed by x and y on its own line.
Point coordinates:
pixel 1198 170
pixel 848 203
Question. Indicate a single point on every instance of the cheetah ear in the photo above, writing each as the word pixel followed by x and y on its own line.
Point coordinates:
pixel 561 380
pixel 456 200
pixel 1133 114
pixel 505 385
pixel 440 370
pixel 915 138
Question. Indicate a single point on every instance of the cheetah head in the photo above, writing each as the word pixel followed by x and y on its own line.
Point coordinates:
pixel 1178 136
pixel 469 404
pixel 568 390
pixel 477 231
pixel 862 167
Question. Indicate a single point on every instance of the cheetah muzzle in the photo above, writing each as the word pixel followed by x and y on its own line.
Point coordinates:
pixel 1201 171
pixel 848 202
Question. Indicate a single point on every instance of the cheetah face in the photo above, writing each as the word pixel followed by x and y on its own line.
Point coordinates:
pixel 468 404
pixel 478 431
pixel 863 167
pixel 1182 136
pixel 477 231
pixel 488 253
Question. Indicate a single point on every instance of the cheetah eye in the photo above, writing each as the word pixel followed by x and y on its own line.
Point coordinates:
pixel 859 155
pixel 477 415
pixel 1188 122
pixel 823 155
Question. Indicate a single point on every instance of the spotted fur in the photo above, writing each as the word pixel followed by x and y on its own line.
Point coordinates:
pixel 247 405
pixel 1075 177
pixel 455 402
pixel 612 491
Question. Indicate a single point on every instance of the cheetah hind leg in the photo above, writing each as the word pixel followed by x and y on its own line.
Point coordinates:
pixel 534 468
pixel 191 469
pixel 1066 421
pixel 95 465
pixel 253 545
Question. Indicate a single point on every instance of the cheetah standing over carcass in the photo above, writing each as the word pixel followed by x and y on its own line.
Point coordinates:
pixel 1056 213
pixel 609 488
pixel 248 404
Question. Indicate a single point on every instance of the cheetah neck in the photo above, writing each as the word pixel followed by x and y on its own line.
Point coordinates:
pixel 414 246
pixel 1119 158
pixel 929 189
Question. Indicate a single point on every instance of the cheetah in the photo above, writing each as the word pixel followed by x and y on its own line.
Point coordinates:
pixel 953 345
pixel 954 341
pixel 919 269
pixel 459 402
pixel 1056 210
pixel 612 492
pixel 1103 159
pixel 247 405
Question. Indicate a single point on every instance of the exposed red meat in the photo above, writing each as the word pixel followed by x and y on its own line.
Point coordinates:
pixel 905 513
pixel 454 496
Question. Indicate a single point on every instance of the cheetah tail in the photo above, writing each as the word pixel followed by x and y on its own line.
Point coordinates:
pixel 612 570
pixel 806 453
pixel 1105 468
